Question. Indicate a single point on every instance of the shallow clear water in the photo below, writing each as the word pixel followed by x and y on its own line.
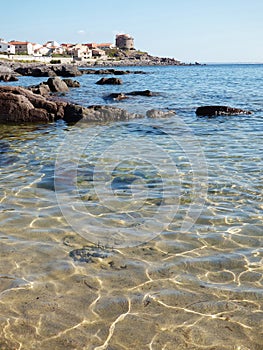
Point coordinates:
pixel 150 237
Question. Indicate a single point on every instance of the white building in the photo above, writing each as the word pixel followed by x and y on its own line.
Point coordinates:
pixel 22 47
pixel 5 47
pixel 81 51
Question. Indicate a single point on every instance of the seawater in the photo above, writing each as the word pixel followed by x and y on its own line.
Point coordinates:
pixel 144 234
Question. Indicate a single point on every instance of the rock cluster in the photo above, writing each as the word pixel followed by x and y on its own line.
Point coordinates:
pixel 111 71
pixel 19 105
pixel 48 70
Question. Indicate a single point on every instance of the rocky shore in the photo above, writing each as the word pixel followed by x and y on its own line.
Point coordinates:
pixel 39 104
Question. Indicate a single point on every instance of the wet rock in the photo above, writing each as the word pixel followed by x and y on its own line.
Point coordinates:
pixel 36 71
pixel 111 71
pixel 117 96
pixel 8 77
pixel 18 105
pixel 155 113
pixel 21 105
pixel 57 85
pixel 66 71
pixel 72 83
pixel 41 89
pixel 219 110
pixel 74 113
pixel 48 71
pixel 14 108
pixel 111 81
pixel 141 93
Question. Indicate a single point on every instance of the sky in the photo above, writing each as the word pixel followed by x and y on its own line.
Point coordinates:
pixel 188 30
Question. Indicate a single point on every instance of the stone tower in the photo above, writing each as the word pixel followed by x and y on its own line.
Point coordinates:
pixel 124 41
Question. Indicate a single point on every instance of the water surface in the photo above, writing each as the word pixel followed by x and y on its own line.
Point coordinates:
pixel 160 244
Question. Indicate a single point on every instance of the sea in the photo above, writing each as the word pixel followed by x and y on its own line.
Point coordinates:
pixel 139 234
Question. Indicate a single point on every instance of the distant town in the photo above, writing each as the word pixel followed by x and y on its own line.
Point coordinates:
pixel 122 52
pixel 53 49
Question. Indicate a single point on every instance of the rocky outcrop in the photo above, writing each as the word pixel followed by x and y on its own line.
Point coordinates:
pixel 8 77
pixel 53 85
pixel 48 71
pixel 19 105
pixel 156 113
pixel 72 83
pixel 219 110
pixel 41 89
pixel 66 71
pixel 95 114
pixel 111 71
pixel 111 81
pixel 57 85
pixel 35 71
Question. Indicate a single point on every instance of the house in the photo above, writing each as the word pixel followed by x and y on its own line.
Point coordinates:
pixel 52 43
pixel 124 41
pixel 22 47
pixel 5 47
pixel 98 53
pixel 52 47
pixel 81 51
pixel 105 46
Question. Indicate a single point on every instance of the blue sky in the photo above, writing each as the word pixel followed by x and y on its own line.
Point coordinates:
pixel 189 30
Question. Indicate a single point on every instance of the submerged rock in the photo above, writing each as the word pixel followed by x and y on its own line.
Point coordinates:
pixel 219 110
pixel 89 254
pixel 156 113
pixel 73 113
pixel 118 96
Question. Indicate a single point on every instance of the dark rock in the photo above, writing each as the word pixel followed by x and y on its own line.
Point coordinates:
pixel 88 254
pixel 219 110
pixel 111 71
pixel 48 71
pixel 155 113
pixel 74 113
pixel 71 83
pixel 36 71
pixel 121 72
pixel 17 108
pixel 111 81
pixel 8 77
pixel 41 89
pixel 21 105
pixel 141 93
pixel 66 71
pixel 57 85
pixel 118 96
